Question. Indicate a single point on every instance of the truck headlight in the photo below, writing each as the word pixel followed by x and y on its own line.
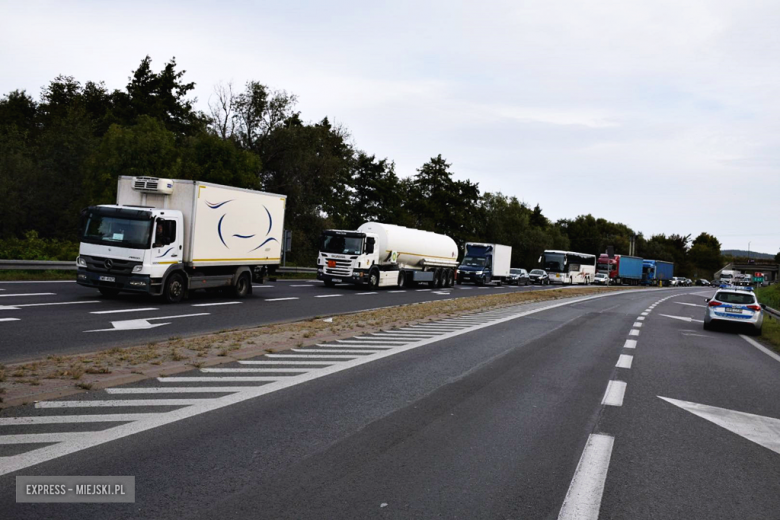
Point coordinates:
pixel 138 268
pixel 81 262
pixel 479 272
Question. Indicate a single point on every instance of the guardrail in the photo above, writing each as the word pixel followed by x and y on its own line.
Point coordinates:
pixel 772 312
pixel 41 265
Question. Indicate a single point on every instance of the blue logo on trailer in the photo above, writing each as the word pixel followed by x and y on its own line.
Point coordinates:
pixel 216 205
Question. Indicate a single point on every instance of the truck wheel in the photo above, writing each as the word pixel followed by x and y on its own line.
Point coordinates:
pixel 108 292
pixel 174 288
pixel 373 279
pixel 402 280
pixel 437 277
pixel 243 287
pixel 448 278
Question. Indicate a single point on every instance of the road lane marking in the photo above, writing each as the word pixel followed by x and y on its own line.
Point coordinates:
pixel 624 361
pixel 206 379
pixel 28 294
pixel 117 402
pixel 764 431
pixel 616 390
pixel 690 304
pixel 364 346
pixel 372 341
pixel 583 499
pixel 176 390
pixel 232 370
pixel 760 347
pixel 393 292
pixel 630 343
pixel 365 293
pixel 193 407
pixel 214 304
pixel 641 318
pixel 117 311
pixel 65 419
pixel 144 323
pixel 41 281
pixel 328 295
pixel 262 286
pixel 634 332
pixel 17 306
pixel 682 318
pixel 9 319
pixel 311 351
pixel 319 363
pixel 424 290
pixel 304 285
pixel 637 324
pixel 280 299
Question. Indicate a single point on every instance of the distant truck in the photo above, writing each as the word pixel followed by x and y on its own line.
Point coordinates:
pixel 166 237
pixel 657 271
pixel 385 255
pixel 728 276
pixel 485 263
pixel 621 269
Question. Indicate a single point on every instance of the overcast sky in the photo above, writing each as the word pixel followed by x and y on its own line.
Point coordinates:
pixel 663 115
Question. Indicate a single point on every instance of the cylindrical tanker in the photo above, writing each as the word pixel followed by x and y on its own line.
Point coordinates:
pixel 381 255
pixel 413 248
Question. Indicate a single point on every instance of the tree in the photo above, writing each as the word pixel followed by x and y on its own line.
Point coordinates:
pixel 376 193
pixel 704 254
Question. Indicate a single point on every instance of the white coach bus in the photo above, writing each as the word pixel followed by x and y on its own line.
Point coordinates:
pixel 568 267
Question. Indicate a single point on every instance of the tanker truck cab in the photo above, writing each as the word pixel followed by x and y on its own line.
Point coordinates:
pixel 346 256
pixel 128 248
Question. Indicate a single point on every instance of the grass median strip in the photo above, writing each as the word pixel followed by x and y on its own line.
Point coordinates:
pixel 64 375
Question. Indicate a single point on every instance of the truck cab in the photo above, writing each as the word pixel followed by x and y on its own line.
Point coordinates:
pixel 128 248
pixel 346 257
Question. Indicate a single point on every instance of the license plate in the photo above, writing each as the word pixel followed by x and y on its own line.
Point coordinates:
pixel 336 280
pixel 734 310
pixel 107 279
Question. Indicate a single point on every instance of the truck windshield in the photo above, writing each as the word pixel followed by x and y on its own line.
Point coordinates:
pixel 341 245
pixel 474 261
pixel 554 262
pixel 606 267
pixel 117 231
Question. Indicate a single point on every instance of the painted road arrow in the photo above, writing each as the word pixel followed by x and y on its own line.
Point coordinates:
pixel 757 428
pixel 683 318
pixel 144 324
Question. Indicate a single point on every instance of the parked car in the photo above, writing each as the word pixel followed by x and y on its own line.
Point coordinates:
pixel 601 279
pixel 688 282
pixel 677 281
pixel 539 276
pixel 518 277
pixel 737 307
pixel 703 282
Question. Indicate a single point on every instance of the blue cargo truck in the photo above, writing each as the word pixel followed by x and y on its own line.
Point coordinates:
pixel 630 270
pixel 655 272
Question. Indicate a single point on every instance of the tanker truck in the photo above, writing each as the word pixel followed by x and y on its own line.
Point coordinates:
pixel 384 255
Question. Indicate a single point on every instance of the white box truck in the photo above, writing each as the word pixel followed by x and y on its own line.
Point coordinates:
pixel 166 237
pixel 485 263
pixel 384 255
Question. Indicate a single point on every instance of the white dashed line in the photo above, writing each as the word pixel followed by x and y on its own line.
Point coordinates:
pixel 365 293
pixel 624 361
pixel 214 304
pixel 634 332
pixel 28 294
pixel 281 299
pixel 583 500
pixel 637 324
pixel 630 343
pixel 616 390
pixel 9 319
pixel 328 295
pixel 143 309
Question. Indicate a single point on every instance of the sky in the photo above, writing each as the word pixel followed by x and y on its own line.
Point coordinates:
pixel 662 115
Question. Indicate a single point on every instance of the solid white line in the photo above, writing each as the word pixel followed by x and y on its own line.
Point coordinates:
pixel 760 347
pixel 364 346
pixel 197 379
pixel 637 324
pixel 231 370
pixel 310 351
pixel 214 304
pixel 200 406
pixel 634 332
pixel 118 402
pixel 583 500
pixel 306 356
pixel 28 294
pixel 625 361
pixel 288 362
pixel 630 343
pixel 65 419
pixel 262 286
pixel 9 319
pixel 280 299
pixel 176 390
pixel 126 310
pixel 52 303
pixel 365 293
pixel 328 295
pixel 614 394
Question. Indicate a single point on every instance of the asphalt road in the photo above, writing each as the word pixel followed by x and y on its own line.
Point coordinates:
pixel 55 318
pixel 612 407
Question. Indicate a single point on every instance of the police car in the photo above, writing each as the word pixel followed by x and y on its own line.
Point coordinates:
pixel 735 305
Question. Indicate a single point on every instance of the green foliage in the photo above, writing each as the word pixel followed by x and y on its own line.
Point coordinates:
pixel 769 295
pixel 32 247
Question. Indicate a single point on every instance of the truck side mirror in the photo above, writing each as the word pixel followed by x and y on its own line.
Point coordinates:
pixel 370 245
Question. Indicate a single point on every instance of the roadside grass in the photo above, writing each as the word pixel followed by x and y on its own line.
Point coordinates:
pixel 771 332
pixel 34 276
pixel 63 374
pixel 769 295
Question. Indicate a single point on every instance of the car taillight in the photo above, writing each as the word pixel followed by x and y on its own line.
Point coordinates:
pixel 754 308
pixel 714 304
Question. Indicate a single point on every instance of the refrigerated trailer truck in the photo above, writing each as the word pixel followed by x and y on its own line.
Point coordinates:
pixel 167 237
pixel 485 263
pixel 384 255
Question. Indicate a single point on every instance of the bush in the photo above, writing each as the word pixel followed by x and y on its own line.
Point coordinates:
pixel 769 295
pixel 32 247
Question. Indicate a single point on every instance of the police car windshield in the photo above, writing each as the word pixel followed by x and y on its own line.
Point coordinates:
pixel 738 298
